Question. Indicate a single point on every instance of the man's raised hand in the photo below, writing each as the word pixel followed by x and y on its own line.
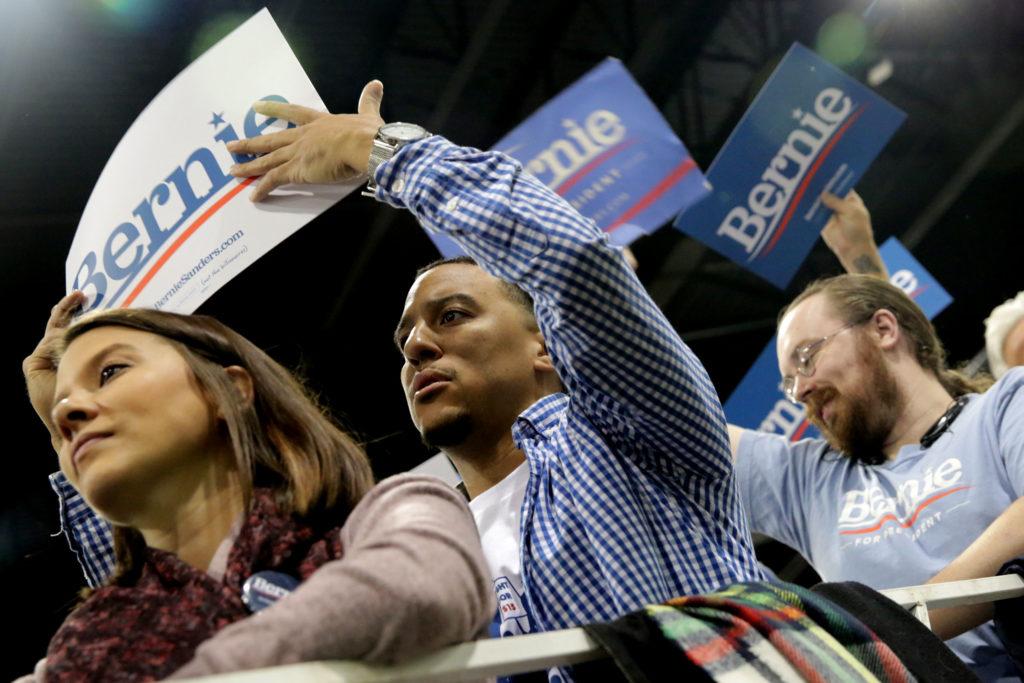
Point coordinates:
pixel 323 148
pixel 849 235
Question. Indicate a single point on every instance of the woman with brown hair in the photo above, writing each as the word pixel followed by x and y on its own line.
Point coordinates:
pixel 230 491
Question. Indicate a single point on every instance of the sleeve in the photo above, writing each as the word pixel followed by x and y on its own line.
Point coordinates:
pixel 772 478
pixel 1010 425
pixel 88 535
pixel 622 363
pixel 412 579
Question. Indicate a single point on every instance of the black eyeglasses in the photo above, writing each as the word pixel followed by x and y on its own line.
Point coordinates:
pixel 805 355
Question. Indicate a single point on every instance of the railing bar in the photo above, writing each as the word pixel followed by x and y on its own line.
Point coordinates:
pixel 532 652
pixel 954 593
pixel 464 662
pixel 921 613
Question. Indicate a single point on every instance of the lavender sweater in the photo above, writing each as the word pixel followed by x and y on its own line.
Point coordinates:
pixel 412 579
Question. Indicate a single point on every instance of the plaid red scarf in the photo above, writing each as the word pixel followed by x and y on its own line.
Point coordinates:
pixel 767 631
pixel 147 630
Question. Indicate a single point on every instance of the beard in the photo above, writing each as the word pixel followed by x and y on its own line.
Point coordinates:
pixel 862 421
pixel 451 432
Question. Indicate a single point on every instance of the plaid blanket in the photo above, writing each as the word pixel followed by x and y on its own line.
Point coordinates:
pixel 761 631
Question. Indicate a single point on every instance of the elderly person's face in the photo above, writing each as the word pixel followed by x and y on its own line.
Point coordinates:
pixel 1013 345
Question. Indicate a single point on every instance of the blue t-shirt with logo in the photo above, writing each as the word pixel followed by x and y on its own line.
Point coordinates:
pixel 899 523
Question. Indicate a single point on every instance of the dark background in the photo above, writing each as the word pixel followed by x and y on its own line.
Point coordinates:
pixel 75 73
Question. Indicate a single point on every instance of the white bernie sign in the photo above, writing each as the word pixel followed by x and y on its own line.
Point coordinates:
pixel 166 226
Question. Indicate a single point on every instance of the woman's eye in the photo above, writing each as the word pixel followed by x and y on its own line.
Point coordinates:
pixel 109 371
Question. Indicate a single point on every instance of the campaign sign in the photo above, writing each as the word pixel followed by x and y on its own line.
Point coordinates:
pixel 166 226
pixel 758 402
pixel 603 146
pixel 906 273
pixel 811 128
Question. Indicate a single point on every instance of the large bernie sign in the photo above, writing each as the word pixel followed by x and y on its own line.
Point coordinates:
pixel 166 225
pixel 603 146
pixel 811 128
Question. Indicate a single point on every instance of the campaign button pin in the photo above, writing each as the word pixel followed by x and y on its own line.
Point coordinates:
pixel 263 589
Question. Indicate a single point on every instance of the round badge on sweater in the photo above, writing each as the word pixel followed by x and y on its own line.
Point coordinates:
pixel 263 589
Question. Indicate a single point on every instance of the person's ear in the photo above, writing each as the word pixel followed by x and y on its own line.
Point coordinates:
pixel 242 380
pixel 542 361
pixel 885 328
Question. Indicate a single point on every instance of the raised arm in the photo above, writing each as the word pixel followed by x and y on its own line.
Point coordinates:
pixel 412 579
pixel 621 361
pixel 849 235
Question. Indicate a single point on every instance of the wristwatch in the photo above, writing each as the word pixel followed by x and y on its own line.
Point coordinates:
pixel 390 138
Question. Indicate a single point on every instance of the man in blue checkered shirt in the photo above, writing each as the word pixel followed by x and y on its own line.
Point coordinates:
pixel 589 437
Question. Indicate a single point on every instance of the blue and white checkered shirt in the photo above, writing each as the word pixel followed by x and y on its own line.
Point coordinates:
pixel 88 535
pixel 631 497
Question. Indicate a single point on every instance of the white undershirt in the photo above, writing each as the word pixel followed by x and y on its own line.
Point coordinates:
pixel 497 512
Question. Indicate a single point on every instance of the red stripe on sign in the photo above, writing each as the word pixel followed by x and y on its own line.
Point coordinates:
pixel 677 174
pixel 800 430
pixel 913 518
pixel 799 194
pixel 579 175
pixel 189 231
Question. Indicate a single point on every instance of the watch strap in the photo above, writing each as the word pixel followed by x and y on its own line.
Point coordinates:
pixel 380 152
pixel 383 149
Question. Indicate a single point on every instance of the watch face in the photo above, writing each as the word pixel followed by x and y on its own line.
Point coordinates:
pixel 403 132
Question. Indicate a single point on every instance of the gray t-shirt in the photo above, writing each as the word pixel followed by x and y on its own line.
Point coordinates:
pixel 899 523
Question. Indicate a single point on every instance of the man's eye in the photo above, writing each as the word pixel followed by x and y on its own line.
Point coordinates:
pixel 108 372
pixel 451 315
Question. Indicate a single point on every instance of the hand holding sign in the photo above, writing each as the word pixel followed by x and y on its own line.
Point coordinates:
pixel 849 235
pixel 40 367
pixel 324 148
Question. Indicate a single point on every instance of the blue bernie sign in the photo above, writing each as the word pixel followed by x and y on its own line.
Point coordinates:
pixel 603 146
pixel 811 128
pixel 906 273
pixel 758 402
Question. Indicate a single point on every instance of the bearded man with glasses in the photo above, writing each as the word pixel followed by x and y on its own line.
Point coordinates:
pixel 859 421
pixel 919 476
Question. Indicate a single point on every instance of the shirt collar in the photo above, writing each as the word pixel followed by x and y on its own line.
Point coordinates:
pixel 540 417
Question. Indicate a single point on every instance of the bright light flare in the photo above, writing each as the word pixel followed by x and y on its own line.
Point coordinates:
pixel 842 39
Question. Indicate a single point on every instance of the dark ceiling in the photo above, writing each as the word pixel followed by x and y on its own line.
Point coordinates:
pixel 74 75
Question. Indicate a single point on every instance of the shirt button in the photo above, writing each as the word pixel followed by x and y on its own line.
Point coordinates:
pixel 452 204
pixel 398 185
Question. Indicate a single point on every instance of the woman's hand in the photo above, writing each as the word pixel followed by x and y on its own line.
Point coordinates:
pixel 40 367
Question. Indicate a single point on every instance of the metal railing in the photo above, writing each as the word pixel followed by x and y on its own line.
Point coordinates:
pixel 483 659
